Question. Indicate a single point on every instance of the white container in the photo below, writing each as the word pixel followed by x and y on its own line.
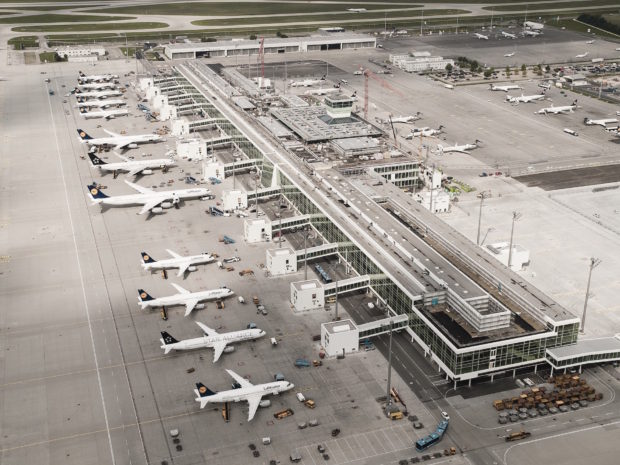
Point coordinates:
pixel 300 397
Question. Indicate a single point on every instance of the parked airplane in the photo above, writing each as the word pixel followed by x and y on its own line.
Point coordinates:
pixel 557 110
pixel 307 82
pixel 525 98
pixel 545 85
pixel 211 338
pixel 527 32
pixel 118 141
pixel 97 86
pixel 458 148
pixel 590 42
pixel 357 10
pixel 251 393
pixel 184 297
pixel 94 78
pixel 608 123
pixel 481 36
pixel 153 202
pixel 505 88
pixel 100 103
pixel 100 94
pixel 133 167
pixel 582 55
pixel 107 114
pixel 322 91
pixel 511 54
pixel 424 132
pixel 406 119
pixel 509 35
pixel 183 263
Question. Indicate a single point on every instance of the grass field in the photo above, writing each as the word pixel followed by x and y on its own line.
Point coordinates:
pixel 547 5
pixel 613 18
pixel 359 19
pixel 48 57
pixel 53 18
pixel 86 27
pixel 571 25
pixel 239 8
pixel 26 41
pixel 40 8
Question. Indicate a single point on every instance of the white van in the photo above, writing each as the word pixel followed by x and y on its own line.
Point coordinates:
pixel 300 397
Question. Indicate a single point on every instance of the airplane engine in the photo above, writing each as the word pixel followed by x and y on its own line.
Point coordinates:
pixel 229 349
pixel 176 199
pixel 199 306
pixel 147 171
pixel 166 205
pixel 192 268
pixel 132 146
pixel 157 210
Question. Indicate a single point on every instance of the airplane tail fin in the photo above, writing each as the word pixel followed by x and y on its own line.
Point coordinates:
pixel 146 258
pixel 95 193
pixel 166 341
pixel 81 74
pixel 95 160
pixel 83 134
pixel 203 394
pixel 143 298
pixel 83 110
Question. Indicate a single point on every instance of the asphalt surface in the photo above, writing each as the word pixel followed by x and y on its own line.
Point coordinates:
pixel 572 178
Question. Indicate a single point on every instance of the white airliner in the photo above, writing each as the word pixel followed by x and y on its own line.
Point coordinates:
pixel 251 393
pixel 211 338
pixel 118 141
pixel 307 82
pixel 322 91
pixel 100 94
pixel 133 167
pixel 608 123
pixel 557 110
pixel 107 114
pixel 509 35
pixel 590 42
pixel 97 86
pixel 184 297
pixel 458 148
pixel 183 263
pixel 530 33
pixel 94 78
pixel 524 98
pixel 100 103
pixel 153 202
pixel 424 132
pixel 511 54
pixel 406 119
pixel 582 55
pixel 357 10
pixel 481 36
pixel 505 88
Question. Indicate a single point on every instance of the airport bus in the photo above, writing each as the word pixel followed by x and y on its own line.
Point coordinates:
pixel 433 438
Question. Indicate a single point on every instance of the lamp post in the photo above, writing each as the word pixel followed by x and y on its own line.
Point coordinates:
pixel 515 217
pixel 594 262
pixel 389 376
pixel 306 253
pixel 482 196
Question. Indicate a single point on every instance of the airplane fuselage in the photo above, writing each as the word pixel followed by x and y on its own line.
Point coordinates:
pixel 182 299
pixel 141 199
pixel 176 262
pixel 123 140
pixel 210 341
pixel 104 113
pixel 242 394
pixel 131 165
pixel 100 103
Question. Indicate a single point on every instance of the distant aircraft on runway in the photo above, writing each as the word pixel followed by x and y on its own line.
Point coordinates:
pixel 211 338
pixel 590 42
pixel 307 82
pixel 582 55
pixel 183 263
pixel 107 114
pixel 511 54
pixel 406 119
pixel 153 202
pixel 530 33
pixel 525 98
pixel 184 297
pixel 481 36
pixel 457 148
pixel 557 110
pixel 505 88
pixel 424 132
pixel 508 35
pixel 252 393
pixel 608 123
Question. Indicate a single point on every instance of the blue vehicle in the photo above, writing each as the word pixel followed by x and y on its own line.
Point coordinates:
pixel 324 276
pixel 302 363
pixel 433 438
pixel 214 180
pixel 216 212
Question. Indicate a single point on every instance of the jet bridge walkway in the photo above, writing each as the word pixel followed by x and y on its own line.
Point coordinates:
pixel 264 193
pixel 238 166
pixel 378 327
pixel 343 286
pixel 323 250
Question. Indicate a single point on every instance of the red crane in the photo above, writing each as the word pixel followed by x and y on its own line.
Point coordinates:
pixel 383 82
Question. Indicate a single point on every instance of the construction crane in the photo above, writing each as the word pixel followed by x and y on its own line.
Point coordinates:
pixel 393 130
pixel 369 74
pixel 261 56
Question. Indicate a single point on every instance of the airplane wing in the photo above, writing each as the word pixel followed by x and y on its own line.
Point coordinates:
pixel 121 156
pixel 174 254
pixel 242 381
pixel 183 268
pixel 253 403
pixel 142 190
pixel 135 171
pixel 180 289
pixel 189 306
pixel 218 349
pixel 148 206
pixel 205 329
pixel 113 134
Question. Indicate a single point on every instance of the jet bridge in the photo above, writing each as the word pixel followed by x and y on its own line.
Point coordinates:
pixel 238 166
pixel 378 327
pixel 323 250
pixel 343 286
pixel 263 193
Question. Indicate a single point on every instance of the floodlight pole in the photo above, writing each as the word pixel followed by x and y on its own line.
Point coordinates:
pixel 515 217
pixel 305 252
pixel 479 218
pixel 389 376
pixel 594 262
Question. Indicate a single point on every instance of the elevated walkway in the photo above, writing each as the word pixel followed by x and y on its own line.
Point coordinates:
pixel 239 166
pixel 265 193
pixel 585 352
pixel 343 286
pixel 378 327
pixel 206 123
pixel 323 250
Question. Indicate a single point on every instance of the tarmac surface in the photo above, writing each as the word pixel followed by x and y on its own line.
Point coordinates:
pixel 572 178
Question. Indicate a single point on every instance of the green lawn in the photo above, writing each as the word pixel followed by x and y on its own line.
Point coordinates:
pixel 49 57
pixel 551 6
pixel 40 8
pixel 25 41
pixel 571 25
pixel 53 18
pixel 613 18
pixel 85 27
pixel 365 18
pixel 240 8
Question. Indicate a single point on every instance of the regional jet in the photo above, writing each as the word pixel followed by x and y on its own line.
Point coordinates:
pixel 557 110
pixel 153 202
pixel 97 86
pixel 481 36
pixel 307 82
pixel 100 103
pixel 509 55
pixel 505 88
pixel 184 297
pixel 118 141
pixel 582 55
pixel 406 119
pixel 589 42
pixel 211 338
pixel 424 132
pixel 252 393
pixel 133 167
pixel 524 98
pixel 530 33
pixel 357 10
pixel 509 35
pixel 458 148
pixel 107 114
pixel 608 123
pixel 183 263
pixel 93 78
pixel 100 94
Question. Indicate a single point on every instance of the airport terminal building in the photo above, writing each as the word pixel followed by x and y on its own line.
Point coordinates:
pixel 225 48
pixel 483 325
